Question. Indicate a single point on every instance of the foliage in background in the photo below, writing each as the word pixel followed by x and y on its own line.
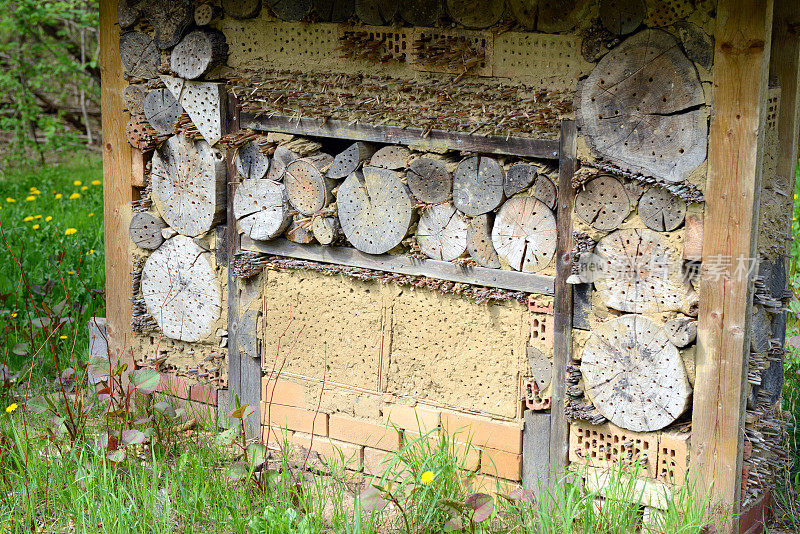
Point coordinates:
pixel 49 78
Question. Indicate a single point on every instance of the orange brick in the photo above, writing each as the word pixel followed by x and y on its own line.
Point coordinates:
pixel 331 450
pixel 673 457
pixel 483 432
pixel 469 456
pixel 693 238
pixel 376 461
pixel 490 484
pixel 415 418
pixel 205 393
pixel 295 419
pixel 351 430
pixel 277 436
pixel 174 385
pixel 283 393
pixel 502 464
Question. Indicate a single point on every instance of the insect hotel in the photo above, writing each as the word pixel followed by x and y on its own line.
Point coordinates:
pixel 558 229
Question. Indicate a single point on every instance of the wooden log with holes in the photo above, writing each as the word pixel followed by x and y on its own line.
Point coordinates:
pixel 241 9
pixel 180 288
pixel 524 234
pixel 392 157
pixel 660 210
pixel 429 180
pixel 622 17
pixel 309 190
pixel 170 18
pixel 145 230
pixel 421 12
pixel 442 232
pixel 334 10
pixel 479 242
pixel 199 52
pixel 476 14
pixel 518 177
pixel 128 13
pixel 140 134
pixel 251 163
pixel 206 13
pixel 681 331
pixel 290 10
pixel 478 185
pixel 549 16
pixel 349 160
pixel 280 159
pixel 188 183
pixel 603 203
pixel 161 110
pixel 374 209
pixel 634 376
pixel 261 208
pixel 140 56
pixel 134 98
pixel 376 12
pixel 326 229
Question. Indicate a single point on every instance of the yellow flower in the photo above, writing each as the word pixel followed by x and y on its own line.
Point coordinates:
pixel 62 337
pixel 795 196
pixel 27 219
pixel 33 189
pixel 73 196
pixel 96 182
pixel 70 231
pixel 36 192
pixel 84 188
pixel 58 196
pixel 70 273
pixel 90 252
pixel 30 198
pixel 426 478
pixel 12 408
pixel 10 200
pixel 76 182
pixel 91 214
pixel 36 226
pixel 48 218
pixel 13 315
pixel 37 216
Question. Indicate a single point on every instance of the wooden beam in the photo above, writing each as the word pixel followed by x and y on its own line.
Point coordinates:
pixel 741 59
pixel 432 139
pixel 118 192
pixel 562 307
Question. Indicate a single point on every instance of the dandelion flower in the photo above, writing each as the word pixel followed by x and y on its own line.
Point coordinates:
pixel 32 189
pixel 13 315
pixel 70 273
pixel 36 226
pixel 10 200
pixel 77 182
pixel 70 231
pixel 73 196
pixel 58 196
pixel 91 214
pixel 426 478
pixel 48 218
pixel 27 219
pixel 11 408
pixel 90 252
pixel 37 216
pixel 30 198
pixel 96 182
pixel 84 188
pixel 62 337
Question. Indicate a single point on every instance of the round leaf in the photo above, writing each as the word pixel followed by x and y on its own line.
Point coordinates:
pixel 165 409
pixel 133 437
pixel 145 380
pixel 21 349
pixel 238 471
pixel 37 404
pixel 116 456
pixel 482 505
pixel 99 366
pixel 372 500
pixel 256 454
pixel 228 437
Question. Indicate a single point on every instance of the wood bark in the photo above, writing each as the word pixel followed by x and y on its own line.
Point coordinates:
pixel 634 375
pixel 241 9
pixel 421 12
pixel 392 157
pixel 180 289
pixel 603 203
pixel 442 232
pixel 326 230
pixel 376 12
pixel 251 162
pixel 681 331
pixel 350 159
pixel 290 10
pixel 479 242
pixel 198 52
pixel 429 180
pixel 374 209
pixel 145 230
pixel 660 210
pixel 188 182
pixel 162 110
pixel 476 14
pixel 280 159
pixel 524 234
pixel 334 10
pixel 261 208
pixel 170 19
pixel 641 108
pixel 622 17
pixel 308 189
pixel 478 185
pixel 140 56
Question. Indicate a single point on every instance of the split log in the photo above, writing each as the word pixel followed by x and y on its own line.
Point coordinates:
pixel 524 234
pixel 251 162
pixel 198 52
pixel 204 14
pixel 549 16
pixel 139 54
pixel 145 230
pixel 188 182
pixel 478 185
pixel 545 190
pixel 622 17
pixel 697 44
pixel 308 189
pixel 376 12
pixel 326 230
pixel 640 274
pixel 128 13
pixel 641 108
pixel 519 177
pixel 374 209
pixel 162 110
pixel 334 10
pixel 603 203
pixel 290 10
pixel 681 331
pixel 298 232
pixel 134 98
pixel 634 376
pixel 479 242
pixel 280 159
pixel 476 14
pixel 429 180
pixel 262 208
pixel 442 232
pixel 421 12
pixel 204 102
pixel 660 210
pixel 391 157
pixel 241 9
pixel 170 18
pixel 350 159
pixel 181 290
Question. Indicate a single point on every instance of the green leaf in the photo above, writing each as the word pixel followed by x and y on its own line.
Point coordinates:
pixel 146 380
pixel 133 437
pixel 256 455
pixel 451 506
pixel 238 471
pixel 228 437
pixel 165 409
pixel 242 412
pixel 40 322
pixel 99 366
pixel 37 404
pixel 21 349
pixel 482 505
pixel 116 456
pixel 372 499
pixel 454 524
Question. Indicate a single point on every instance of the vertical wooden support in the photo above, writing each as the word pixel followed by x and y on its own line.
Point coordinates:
pixel 118 191
pixel 741 58
pixel 562 308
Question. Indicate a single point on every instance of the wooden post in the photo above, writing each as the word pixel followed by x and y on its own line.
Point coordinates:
pixel 741 60
pixel 562 308
pixel 118 191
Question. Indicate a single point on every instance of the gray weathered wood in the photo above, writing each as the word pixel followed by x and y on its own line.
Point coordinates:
pixel 536 451
pixel 299 233
pixel 681 331
pixel 512 280
pixel 139 54
pixel 660 210
pixel 134 98
pixel 524 234
pixel 603 203
pixel 549 16
pixel 241 9
pixel 581 306
pixel 326 230
pixel 376 12
pixel 429 180
pixel 261 208
pixel 290 10
pixel 421 12
pixel 204 14
pixel 476 14
pixel 698 45
pixel 391 157
pixel 442 232
pixel 145 230
pixel 545 190
pixel 308 189
pixel 251 162
pixel 519 177
pixel 350 159
pixel 199 52
pixel 478 185
pixel 622 17
pixel 128 13
pixel 334 10
pixel 162 110
pixel 479 241
pixel 170 19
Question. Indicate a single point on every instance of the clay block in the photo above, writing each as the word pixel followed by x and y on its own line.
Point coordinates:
pixel 351 430
pixel 647 492
pixel 174 385
pixel 502 464
pixel 283 393
pixel 483 432
pixel 415 418
pixel 492 485
pixel 673 457
pixel 603 445
pixel 693 238
pixel 294 419
pixel 376 461
pixel 138 162
pixel 277 436
pixel 542 331
pixel 332 451
pixel 204 393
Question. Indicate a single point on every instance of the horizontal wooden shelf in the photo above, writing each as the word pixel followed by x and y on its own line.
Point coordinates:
pixel 435 139
pixel 481 276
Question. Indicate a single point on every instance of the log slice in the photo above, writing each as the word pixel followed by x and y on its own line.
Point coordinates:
pixel 139 54
pixel 429 180
pixel 660 210
pixel 603 203
pixel 262 208
pixel 442 232
pixel 524 234
pixel 478 185
pixel 162 110
pixel 198 52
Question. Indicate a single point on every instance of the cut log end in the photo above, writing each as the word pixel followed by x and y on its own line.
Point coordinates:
pixel 198 52
pixel 241 9
pixel 326 230
pixel 170 19
pixel 145 230
pixel 251 163
pixel 348 161
pixel 660 210
pixel 479 242
pixel 139 54
pixel 376 12
pixel 603 203
pixel 442 232
pixel 309 191
pixel 429 180
pixel 524 234
pixel 262 208
pixel 478 185
pixel 476 14
pixel 392 157
pixel 162 110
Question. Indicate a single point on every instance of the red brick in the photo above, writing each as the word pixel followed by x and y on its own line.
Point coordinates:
pixel 294 418
pixel 415 418
pixel 283 393
pixel 174 385
pixel 205 393
pixel 483 432
pixel 351 430
pixel 501 464
pixel 332 451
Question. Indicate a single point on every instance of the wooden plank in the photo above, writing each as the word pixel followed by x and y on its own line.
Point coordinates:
pixel 562 307
pixel 433 139
pixel 535 450
pixel 117 190
pixel 512 280
pixel 741 58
